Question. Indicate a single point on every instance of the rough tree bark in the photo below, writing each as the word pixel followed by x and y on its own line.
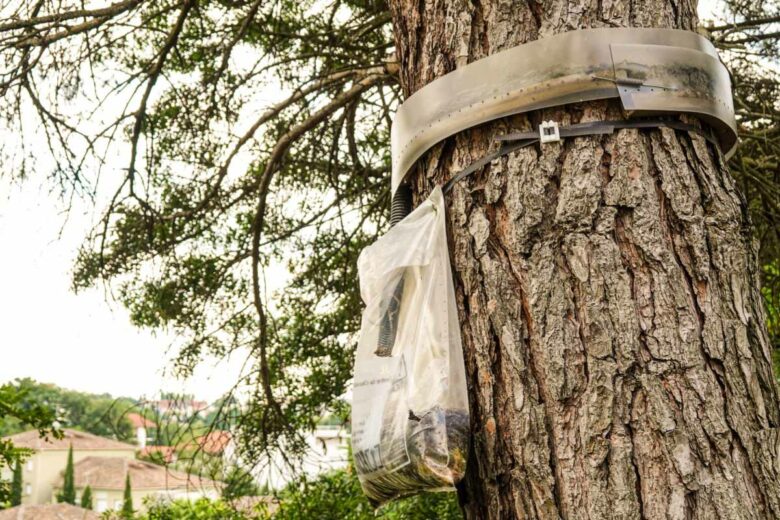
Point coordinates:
pixel 617 357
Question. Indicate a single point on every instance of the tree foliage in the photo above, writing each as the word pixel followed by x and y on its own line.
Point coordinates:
pixel 338 496
pixel 333 496
pixel 239 483
pixel 242 148
pixel 16 406
pixel 202 509
pixel 221 184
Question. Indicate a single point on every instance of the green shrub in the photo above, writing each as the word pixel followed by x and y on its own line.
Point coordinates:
pixel 202 509
pixel 338 496
pixel 332 496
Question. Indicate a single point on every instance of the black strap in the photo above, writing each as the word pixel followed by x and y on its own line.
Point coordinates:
pixel 505 148
pixel 517 140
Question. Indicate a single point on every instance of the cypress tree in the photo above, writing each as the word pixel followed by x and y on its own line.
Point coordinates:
pixel 16 485
pixel 68 493
pixel 127 504
pixel 86 498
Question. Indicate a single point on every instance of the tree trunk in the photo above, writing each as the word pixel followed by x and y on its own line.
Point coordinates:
pixel 616 350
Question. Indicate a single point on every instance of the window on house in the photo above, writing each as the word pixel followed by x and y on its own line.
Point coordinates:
pixel 28 489
pixel 101 505
pixel 29 465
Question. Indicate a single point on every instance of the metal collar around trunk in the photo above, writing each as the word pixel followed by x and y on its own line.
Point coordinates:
pixel 652 71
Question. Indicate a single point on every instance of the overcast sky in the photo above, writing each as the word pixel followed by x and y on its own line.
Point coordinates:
pixel 83 342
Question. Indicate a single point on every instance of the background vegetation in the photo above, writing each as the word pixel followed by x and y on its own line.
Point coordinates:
pixel 102 415
pixel 15 406
pixel 333 496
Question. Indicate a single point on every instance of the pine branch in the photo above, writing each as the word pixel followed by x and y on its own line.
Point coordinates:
pixel 271 165
pixel 154 74
pixel 753 38
pixel 110 11
pixel 301 93
pixel 744 24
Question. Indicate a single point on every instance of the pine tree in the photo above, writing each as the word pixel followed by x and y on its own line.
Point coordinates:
pixel 86 498
pixel 610 308
pixel 68 493
pixel 127 504
pixel 16 485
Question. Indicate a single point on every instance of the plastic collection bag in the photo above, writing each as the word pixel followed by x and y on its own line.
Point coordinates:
pixel 410 418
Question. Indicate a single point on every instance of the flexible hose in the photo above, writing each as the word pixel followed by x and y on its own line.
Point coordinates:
pixel 401 205
pixel 399 208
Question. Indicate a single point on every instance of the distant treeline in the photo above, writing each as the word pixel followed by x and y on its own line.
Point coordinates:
pixel 101 414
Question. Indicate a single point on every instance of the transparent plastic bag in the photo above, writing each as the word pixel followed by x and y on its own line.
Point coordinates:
pixel 410 418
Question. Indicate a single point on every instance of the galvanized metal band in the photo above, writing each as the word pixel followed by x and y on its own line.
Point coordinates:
pixel 652 71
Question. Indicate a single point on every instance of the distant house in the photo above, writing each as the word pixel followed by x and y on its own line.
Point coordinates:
pixel 106 477
pixel 327 450
pixel 48 512
pixel 43 468
pixel 141 424
pixel 177 409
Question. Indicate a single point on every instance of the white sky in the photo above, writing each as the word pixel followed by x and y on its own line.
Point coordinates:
pixel 76 341
pixel 83 342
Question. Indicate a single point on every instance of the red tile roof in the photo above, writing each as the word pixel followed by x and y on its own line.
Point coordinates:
pixel 139 421
pixel 110 472
pixel 168 453
pixel 79 441
pixel 213 443
pixel 48 512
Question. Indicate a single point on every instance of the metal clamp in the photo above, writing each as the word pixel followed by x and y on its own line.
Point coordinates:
pixel 549 132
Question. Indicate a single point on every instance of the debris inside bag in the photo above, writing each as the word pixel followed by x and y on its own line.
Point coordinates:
pixel 432 464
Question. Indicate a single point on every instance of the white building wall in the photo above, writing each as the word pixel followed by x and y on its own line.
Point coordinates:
pixel 140 436
pixel 328 451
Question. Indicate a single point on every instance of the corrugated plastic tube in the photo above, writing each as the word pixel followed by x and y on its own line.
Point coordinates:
pixel 400 208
